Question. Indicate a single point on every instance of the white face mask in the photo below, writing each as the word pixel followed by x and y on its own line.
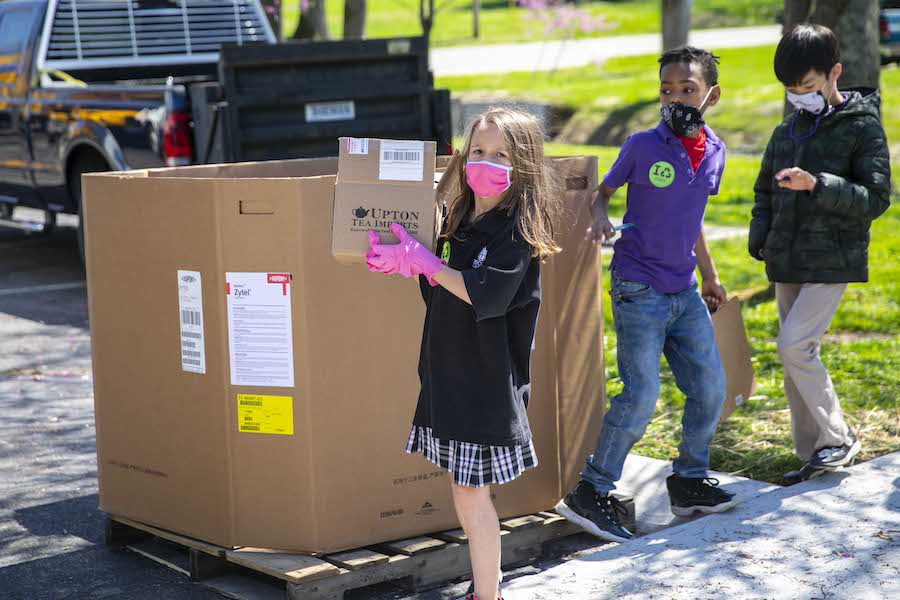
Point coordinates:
pixel 811 102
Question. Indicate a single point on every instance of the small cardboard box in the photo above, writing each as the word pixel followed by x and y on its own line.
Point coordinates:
pixel 250 390
pixel 381 182
pixel 734 350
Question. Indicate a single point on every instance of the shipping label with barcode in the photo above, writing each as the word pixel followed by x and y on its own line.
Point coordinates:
pixel 265 414
pixel 357 145
pixel 190 315
pixel 401 161
pixel 318 112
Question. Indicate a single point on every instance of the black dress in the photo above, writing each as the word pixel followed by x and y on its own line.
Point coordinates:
pixel 475 359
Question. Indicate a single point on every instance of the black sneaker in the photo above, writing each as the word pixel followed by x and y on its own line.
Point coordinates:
pixel 690 495
pixel 804 473
pixel 594 513
pixel 836 456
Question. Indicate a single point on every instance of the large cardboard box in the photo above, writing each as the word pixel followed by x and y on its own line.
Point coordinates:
pixel 250 390
pixel 734 351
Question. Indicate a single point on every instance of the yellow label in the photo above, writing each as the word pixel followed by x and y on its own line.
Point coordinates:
pixel 265 414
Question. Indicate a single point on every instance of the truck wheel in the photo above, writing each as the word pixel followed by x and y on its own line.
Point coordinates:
pixel 89 163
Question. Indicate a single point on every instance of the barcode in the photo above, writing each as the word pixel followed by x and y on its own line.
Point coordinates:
pixel 188 344
pixel 401 156
pixel 190 353
pixel 190 317
pixel 191 334
pixel 188 361
pixel 251 403
pixel 245 427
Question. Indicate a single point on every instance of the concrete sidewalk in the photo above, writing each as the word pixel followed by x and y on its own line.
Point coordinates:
pixel 835 537
pixel 556 54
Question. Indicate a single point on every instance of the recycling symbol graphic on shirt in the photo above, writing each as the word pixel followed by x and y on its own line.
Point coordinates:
pixel 662 174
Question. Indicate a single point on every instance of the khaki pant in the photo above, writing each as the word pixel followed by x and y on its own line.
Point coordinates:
pixel 805 311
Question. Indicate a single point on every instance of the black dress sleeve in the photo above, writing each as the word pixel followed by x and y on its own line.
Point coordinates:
pixel 492 287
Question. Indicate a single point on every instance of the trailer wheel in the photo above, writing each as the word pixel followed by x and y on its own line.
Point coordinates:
pixel 88 162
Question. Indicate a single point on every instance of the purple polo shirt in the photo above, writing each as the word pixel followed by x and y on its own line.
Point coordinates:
pixel 666 203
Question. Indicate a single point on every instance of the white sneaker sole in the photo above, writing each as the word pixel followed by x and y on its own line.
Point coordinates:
pixel 854 450
pixel 572 517
pixel 706 510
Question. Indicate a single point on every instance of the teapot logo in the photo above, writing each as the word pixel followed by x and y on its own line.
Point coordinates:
pixel 427 509
pixel 360 213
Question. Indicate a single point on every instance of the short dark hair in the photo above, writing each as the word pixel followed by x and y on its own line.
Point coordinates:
pixel 687 55
pixel 803 49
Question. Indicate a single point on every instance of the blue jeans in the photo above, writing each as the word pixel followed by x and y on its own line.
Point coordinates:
pixel 649 324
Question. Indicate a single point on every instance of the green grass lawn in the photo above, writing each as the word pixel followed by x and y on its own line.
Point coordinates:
pixel 620 97
pixel 861 350
pixel 503 21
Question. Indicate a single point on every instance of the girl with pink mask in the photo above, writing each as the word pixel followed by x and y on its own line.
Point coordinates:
pixel 482 292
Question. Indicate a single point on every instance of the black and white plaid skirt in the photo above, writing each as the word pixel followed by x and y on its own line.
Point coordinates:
pixel 473 465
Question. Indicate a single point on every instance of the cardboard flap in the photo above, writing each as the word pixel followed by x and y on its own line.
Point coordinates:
pixel 397 162
pixel 734 350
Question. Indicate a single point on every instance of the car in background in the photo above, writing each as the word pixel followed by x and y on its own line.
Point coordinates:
pixel 100 85
pixel 889 27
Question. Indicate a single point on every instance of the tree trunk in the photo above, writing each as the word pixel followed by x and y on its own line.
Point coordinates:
pixel 313 25
pixel 272 9
pixel 676 23
pixel 354 19
pixel 426 17
pixel 858 32
pixel 795 12
pixel 820 12
pixel 476 18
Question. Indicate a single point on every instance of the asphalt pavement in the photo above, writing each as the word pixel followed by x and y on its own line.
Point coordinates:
pixel 51 532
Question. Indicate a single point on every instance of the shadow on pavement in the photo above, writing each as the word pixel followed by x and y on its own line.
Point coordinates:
pixel 42 278
pixel 84 568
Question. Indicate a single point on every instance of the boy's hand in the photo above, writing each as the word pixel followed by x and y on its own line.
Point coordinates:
pixel 713 293
pixel 601 229
pixel 796 179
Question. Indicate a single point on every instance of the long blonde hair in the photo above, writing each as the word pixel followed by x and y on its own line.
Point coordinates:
pixel 535 196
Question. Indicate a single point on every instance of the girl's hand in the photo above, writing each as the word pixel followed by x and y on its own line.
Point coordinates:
pixel 408 258
pixel 382 258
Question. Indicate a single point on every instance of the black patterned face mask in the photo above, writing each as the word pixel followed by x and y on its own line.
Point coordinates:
pixel 683 120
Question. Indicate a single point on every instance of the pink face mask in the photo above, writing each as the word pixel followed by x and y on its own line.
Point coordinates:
pixel 488 179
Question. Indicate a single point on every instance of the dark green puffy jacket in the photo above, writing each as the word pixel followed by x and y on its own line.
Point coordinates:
pixel 823 236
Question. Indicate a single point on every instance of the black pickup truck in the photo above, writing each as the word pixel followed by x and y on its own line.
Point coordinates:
pixel 95 85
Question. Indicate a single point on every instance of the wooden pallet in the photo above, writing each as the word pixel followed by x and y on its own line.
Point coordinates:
pixel 260 574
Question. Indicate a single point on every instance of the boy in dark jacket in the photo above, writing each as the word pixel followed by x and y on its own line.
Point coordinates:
pixel 825 177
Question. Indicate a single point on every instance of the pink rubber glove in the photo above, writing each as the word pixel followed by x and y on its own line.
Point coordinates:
pixel 385 259
pixel 408 258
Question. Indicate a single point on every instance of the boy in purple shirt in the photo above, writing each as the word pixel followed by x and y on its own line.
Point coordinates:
pixel 671 171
